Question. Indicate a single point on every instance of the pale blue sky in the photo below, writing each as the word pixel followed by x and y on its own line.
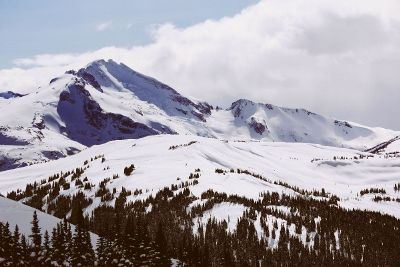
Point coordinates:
pixel 30 27
pixel 294 53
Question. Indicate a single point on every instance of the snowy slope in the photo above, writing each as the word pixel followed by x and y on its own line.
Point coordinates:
pixel 271 123
pixel 389 146
pixel 339 171
pixel 107 101
pixel 393 147
pixel 16 213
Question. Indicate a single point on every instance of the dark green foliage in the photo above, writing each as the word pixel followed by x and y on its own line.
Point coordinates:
pixel 149 232
pixel 182 145
pixel 82 251
pixel 397 187
pixel 219 171
pixel 372 191
pixel 128 170
pixel 35 235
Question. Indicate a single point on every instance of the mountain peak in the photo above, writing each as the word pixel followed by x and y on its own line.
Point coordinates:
pixel 101 62
pixel 242 101
pixel 132 105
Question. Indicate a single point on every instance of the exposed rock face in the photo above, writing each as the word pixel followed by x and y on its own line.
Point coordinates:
pixel 343 124
pixel 238 106
pixel 89 78
pixel 257 126
pixel 10 94
pixel 86 122
pixel 144 88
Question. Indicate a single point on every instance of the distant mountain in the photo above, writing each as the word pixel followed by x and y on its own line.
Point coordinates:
pixel 107 101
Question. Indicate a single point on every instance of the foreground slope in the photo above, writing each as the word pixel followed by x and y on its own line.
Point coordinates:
pixel 16 213
pixel 160 161
pixel 202 200
pixel 107 101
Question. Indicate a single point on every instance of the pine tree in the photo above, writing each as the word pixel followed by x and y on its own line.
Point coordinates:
pixel 82 251
pixel 5 245
pixel 161 244
pixel 66 229
pixel 77 217
pixel 46 250
pixel 59 245
pixel 101 252
pixel 35 236
pixel 24 252
pixel 17 249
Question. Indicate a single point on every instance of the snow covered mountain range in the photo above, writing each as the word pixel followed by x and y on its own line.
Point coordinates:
pixel 102 144
pixel 108 101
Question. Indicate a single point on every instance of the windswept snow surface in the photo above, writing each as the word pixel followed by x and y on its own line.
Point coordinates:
pixel 307 166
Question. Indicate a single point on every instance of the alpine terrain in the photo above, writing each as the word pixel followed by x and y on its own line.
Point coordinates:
pixel 105 166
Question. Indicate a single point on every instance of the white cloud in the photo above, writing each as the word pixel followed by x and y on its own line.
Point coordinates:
pixel 339 58
pixel 103 26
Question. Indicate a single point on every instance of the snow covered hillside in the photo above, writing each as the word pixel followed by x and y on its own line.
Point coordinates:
pixel 165 160
pixel 108 101
pixel 16 213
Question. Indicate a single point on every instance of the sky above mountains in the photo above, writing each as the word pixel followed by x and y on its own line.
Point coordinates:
pixel 30 27
pixel 339 58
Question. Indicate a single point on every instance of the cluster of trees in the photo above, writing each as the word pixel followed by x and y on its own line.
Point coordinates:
pixel 385 198
pixel 61 248
pixel 182 145
pixel 389 155
pixel 195 175
pixel 353 158
pixel 316 193
pixel 64 248
pixel 103 159
pixel 372 191
pixel 46 195
pixel 128 170
pixel 152 231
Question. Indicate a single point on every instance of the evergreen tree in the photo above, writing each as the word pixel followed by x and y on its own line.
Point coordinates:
pixel 17 255
pixel 6 245
pixel 24 259
pixel 82 251
pixel 59 245
pixel 77 217
pixel 46 250
pixel 101 252
pixel 161 244
pixel 35 236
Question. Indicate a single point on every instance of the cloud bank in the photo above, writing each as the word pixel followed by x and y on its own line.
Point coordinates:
pixel 339 58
